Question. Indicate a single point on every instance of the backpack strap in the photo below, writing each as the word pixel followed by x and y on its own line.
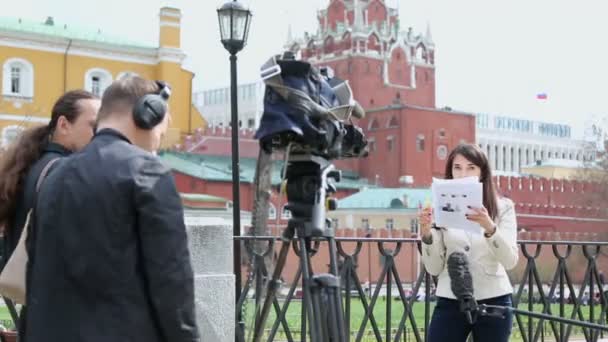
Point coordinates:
pixel 45 172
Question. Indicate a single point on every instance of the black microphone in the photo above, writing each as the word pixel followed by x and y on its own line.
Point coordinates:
pixel 461 283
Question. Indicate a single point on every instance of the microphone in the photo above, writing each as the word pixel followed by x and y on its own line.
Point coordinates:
pixel 461 283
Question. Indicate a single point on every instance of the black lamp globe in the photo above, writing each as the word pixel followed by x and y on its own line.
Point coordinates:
pixel 234 21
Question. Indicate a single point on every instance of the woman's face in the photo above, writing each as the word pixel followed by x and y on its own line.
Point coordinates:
pixel 462 167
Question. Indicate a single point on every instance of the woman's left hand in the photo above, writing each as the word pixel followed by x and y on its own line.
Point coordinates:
pixel 481 216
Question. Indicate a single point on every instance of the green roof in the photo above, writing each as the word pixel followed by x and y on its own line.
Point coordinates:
pixel 219 168
pixel 386 198
pixel 203 198
pixel 67 31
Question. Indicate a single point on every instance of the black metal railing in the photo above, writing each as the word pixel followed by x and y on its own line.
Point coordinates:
pixel 558 278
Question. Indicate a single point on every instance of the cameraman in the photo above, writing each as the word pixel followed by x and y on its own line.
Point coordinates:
pixel 109 258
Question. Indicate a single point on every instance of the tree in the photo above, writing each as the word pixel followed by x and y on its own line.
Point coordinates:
pixel 595 170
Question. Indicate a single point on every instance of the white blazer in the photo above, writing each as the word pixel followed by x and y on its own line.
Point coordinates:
pixel 489 258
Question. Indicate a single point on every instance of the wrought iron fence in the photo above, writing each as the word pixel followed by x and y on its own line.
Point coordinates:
pixel 557 278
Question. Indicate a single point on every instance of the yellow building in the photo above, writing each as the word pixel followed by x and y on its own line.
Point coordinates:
pixel 380 208
pixel 564 169
pixel 42 60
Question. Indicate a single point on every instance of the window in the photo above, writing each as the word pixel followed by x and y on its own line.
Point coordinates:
pixel 250 123
pixel 285 214
pixel 10 134
pixel 372 145
pixel 373 124
pixel 389 224
pixel 365 224
pixel 390 143
pixel 15 79
pixel 414 225
pixel 18 78
pixel 272 212
pixel 95 86
pixel 96 81
pixel 393 122
pixel 420 142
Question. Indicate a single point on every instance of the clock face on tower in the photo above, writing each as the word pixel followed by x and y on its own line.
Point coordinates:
pixel 442 152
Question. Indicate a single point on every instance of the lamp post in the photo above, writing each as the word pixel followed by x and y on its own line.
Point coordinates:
pixel 234 20
pixel 369 263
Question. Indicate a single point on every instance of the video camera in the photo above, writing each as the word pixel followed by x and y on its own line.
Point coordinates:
pixel 309 110
pixel 308 113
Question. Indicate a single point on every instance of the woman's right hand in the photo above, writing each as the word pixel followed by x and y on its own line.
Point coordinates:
pixel 425 219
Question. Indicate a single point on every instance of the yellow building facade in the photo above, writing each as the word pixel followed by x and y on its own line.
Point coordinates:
pixel 42 60
pixel 565 169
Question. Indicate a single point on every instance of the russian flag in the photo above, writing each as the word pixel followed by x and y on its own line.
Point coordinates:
pixel 541 96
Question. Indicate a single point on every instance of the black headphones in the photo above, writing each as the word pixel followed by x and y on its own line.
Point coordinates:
pixel 150 109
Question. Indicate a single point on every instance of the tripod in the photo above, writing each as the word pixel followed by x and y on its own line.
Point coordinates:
pixel 307 189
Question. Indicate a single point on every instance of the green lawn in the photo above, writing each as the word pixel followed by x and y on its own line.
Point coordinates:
pixel 5 318
pixel 357 314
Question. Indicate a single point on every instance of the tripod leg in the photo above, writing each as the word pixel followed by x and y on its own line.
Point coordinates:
pixel 337 298
pixel 273 284
pixel 307 298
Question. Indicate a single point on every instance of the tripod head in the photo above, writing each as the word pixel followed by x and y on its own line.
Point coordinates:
pixel 309 182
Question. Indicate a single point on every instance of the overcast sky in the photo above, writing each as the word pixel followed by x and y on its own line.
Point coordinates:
pixel 491 56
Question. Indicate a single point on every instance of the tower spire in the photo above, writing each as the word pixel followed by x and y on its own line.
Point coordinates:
pixel 289 34
pixel 428 37
pixel 358 24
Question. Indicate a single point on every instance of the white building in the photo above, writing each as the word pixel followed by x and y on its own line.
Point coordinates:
pixel 511 143
pixel 214 104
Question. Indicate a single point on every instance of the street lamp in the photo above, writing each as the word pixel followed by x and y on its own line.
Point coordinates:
pixel 234 20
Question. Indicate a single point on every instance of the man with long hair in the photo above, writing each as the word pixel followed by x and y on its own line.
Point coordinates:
pixel 69 129
pixel 111 255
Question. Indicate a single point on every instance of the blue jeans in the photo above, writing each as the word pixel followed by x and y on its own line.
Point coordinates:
pixel 449 324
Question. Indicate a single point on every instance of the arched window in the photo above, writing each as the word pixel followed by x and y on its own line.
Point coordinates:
pixel 420 142
pixel 371 142
pixel 420 54
pixel 374 124
pixel 393 122
pixel 96 80
pixel 390 143
pixel 10 134
pixel 18 78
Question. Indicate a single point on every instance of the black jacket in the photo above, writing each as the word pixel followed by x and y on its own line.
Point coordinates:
pixel 26 198
pixel 109 258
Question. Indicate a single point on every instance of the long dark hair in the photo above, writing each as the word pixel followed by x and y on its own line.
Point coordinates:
pixel 17 160
pixel 476 156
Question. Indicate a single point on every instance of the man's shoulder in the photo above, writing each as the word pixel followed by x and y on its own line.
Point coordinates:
pixel 130 156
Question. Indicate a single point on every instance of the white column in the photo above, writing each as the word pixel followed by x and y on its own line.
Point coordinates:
pixel 501 158
pixel 508 158
pixel 492 155
pixel 528 155
pixel 516 159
